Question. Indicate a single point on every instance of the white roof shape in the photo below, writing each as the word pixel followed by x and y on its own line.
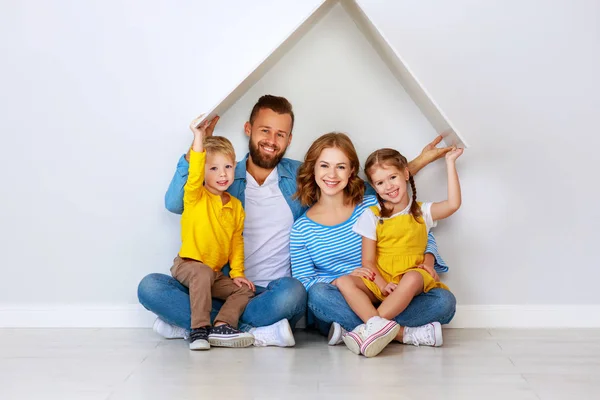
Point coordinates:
pixel 392 59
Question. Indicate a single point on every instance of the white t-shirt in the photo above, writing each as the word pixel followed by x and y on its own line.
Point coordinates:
pixel 267 227
pixel 366 225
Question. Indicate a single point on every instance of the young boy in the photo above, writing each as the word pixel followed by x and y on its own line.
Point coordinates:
pixel 211 233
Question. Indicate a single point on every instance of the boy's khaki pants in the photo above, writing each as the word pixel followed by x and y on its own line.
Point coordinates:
pixel 204 284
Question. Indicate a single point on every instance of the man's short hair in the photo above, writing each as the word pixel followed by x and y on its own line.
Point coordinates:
pixel 280 105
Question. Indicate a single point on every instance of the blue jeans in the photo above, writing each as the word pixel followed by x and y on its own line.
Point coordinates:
pixel 170 300
pixel 327 305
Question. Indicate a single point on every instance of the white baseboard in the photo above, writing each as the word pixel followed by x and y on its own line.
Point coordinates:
pixel 75 316
pixel 135 316
pixel 527 316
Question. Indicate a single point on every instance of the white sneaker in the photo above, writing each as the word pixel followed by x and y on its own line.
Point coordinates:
pixel 380 332
pixel 279 334
pixel 355 339
pixel 336 332
pixel 169 331
pixel 427 335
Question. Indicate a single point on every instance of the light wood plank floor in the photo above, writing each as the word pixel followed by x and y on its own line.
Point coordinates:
pixel 130 364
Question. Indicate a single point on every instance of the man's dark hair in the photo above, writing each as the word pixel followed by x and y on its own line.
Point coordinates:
pixel 278 104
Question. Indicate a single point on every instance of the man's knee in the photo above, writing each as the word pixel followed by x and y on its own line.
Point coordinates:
pixel 291 295
pixel 296 292
pixel 293 288
pixel 149 285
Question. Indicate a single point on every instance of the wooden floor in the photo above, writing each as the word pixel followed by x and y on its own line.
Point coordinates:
pixel 129 364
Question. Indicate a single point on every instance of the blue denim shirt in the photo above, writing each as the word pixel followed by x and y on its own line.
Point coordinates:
pixel 287 170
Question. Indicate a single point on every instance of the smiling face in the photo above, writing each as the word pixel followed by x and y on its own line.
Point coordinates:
pixel 390 183
pixel 270 135
pixel 330 167
pixel 332 171
pixel 219 172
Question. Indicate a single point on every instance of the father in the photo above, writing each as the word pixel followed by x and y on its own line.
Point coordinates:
pixel 265 183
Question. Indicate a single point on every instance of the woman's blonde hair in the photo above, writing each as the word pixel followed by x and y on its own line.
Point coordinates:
pixel 308 191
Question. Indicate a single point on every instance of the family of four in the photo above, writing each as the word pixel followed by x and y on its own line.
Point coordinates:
pixel 267 237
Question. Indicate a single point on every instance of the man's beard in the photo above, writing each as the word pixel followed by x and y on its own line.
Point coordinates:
pixel 259 160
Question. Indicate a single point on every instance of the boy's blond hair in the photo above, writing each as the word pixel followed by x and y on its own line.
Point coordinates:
pixel 219 144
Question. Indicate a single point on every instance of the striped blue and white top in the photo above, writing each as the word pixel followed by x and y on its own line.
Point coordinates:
pixel 321 253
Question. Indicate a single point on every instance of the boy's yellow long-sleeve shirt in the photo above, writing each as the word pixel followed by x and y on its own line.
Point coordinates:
pixel 211 232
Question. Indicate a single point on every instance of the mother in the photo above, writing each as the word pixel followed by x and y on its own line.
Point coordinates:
pixel 323 246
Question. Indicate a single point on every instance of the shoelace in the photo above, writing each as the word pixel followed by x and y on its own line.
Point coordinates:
pixel 368 330
pixel 362 331
pixel 423 335
pixel 368 327
pixel 177 331
pixel 259 342
pixel 266 336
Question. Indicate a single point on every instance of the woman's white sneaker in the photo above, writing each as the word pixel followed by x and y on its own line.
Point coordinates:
pixel 426 335
pixel 336 334
pixel 279 334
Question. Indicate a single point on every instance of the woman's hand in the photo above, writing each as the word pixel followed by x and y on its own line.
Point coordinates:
pixel 364 272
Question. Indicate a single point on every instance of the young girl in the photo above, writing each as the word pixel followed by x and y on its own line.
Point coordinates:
pixel 394 237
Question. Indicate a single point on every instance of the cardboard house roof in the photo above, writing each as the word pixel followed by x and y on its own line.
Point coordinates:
pixel 380 44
